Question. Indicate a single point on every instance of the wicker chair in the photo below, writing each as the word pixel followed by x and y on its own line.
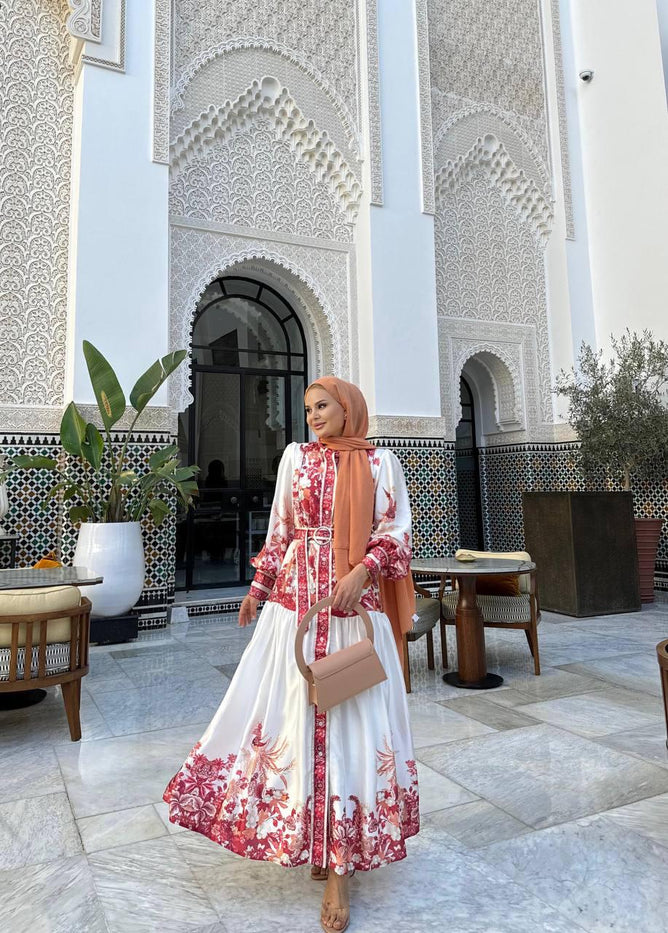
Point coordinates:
pixel 51 626
pixel 520 612
pixel 428 613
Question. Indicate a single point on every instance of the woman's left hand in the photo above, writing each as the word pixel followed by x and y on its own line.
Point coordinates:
pixel 348 590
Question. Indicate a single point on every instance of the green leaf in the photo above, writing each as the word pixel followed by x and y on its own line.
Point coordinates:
pixel 148 384
pixel 34 462
pixel 93 447
pixel 185 473
pixel 72 430
pixel 107 389
pixel 127 478
pixel 159 510
pixel 161 456
pixel 80 513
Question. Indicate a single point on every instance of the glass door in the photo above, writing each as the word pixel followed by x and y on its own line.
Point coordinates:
pixel 248 378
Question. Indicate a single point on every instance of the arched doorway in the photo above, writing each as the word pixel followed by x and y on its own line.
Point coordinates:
pixel 468 473
pixel 249 371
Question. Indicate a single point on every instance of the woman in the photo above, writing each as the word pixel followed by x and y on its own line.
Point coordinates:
pixel 273 778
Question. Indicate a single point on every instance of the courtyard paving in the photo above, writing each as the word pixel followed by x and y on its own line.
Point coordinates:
pixel 544 802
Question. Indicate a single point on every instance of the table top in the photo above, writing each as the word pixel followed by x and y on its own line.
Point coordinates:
pixel 482 565
pixel 28 577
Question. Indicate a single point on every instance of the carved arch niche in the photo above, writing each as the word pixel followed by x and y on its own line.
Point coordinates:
pixel 208 256
pixel 259 162
pixel 497 387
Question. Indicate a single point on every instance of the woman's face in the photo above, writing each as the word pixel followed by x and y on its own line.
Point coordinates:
pixel 324 415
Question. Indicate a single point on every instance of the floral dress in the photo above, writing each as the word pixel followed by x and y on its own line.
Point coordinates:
pixel 273 778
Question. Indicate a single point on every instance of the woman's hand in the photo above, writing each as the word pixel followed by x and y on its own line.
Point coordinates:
pixel 248 611
pixel 348 590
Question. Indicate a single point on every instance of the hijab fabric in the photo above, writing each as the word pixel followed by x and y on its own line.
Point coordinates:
pixel 354 504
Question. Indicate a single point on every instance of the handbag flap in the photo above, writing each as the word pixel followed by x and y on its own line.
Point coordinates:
pixel 340 660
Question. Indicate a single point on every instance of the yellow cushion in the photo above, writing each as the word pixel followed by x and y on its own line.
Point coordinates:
pixel 17 603
pixel 504 584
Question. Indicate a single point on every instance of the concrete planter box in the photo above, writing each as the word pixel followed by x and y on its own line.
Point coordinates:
pixel 584 546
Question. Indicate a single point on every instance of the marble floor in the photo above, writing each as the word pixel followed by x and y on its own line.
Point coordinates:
pixel 544 802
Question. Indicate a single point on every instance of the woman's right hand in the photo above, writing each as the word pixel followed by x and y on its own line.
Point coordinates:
pixel 248 610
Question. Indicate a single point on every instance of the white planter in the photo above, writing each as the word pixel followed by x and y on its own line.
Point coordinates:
pixel 4 505
pixel 115 551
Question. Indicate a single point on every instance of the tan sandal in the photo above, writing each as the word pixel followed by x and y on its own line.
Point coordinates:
pixel 318 873
pixel 345 926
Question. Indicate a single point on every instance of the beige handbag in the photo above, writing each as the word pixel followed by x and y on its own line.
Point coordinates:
pixel 343 674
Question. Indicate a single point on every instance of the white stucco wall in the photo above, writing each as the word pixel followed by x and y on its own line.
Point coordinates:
pixel 120 268
pixel 624 145
pixel 405 338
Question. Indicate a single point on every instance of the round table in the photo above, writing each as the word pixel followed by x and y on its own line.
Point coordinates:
pixel 472 673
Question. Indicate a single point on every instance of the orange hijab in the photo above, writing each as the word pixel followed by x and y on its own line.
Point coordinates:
pixel 354 504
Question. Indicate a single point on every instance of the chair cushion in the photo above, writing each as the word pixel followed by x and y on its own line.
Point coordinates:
pixel 428 613
pixel 57 660
pixel 494 586
pixel 17 603
pixel 493 608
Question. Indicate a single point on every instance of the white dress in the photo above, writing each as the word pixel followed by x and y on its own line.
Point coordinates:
pixel 273 778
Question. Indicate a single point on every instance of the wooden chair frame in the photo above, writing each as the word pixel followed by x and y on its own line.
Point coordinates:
pixel 409 636
pixel 69 680
pixel 530 627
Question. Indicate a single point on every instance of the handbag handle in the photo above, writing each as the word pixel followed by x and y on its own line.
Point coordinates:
pixel 308 615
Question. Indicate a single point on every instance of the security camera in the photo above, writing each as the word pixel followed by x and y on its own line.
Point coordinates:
pixel 586 76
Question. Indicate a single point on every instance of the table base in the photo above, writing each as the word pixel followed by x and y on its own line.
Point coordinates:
pixel 21 698
pixel 488 682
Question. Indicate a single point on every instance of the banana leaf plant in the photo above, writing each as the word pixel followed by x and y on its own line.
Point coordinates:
pixel 96 477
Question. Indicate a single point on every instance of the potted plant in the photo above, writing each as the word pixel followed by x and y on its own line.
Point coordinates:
pixel 104 495
pixel 618 410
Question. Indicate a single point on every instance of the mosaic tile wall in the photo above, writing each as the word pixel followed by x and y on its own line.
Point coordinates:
pixel 431 477
pixel 42 530
pixel 468 500
pixel 505 472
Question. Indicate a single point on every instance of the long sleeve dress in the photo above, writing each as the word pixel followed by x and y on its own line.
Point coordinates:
pixel 273 778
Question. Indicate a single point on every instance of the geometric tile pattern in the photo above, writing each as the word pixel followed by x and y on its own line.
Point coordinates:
pixel 42 530
pixel 505 472
pixel 431 478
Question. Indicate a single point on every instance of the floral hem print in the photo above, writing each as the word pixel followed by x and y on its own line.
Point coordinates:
pixel 242 803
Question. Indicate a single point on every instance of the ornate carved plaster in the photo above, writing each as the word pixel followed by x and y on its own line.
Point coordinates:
pixel 161 66
pixel 250 43
pixel 520 192
pixel 84 21
pixel 267 99
pixel 373 91
pixel 198 256
pixel 36 114
pixel 424 83
pixel 405 426
pixel 563 120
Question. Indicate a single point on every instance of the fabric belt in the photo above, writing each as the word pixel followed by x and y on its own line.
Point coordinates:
pixel 321 534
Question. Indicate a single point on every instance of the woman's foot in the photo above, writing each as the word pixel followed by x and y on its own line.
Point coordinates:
pixel 318 873
pixel 335 911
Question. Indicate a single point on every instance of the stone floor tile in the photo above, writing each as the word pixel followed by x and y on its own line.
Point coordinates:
pixel 488 712
pixel 46 723
pixel 438 791
pixel 592 870
pixel 431 723
pixel 145 709
pixel 30 771
pixel 39 829
pixel 648 743
pixel 120 827
pixel 648 818
pixel 542 775
pixel 598 713
pixel 638 671
pixel 458 886
pixel 57 897
pixel 148 887
pixel 124 771
pixel 476 824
